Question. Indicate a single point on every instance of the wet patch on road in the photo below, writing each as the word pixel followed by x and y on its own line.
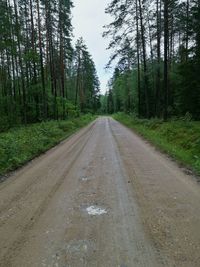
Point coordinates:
pixel 96 210
pixel 80 247
pixel 86 178
pixel 86 195
pixel 74 252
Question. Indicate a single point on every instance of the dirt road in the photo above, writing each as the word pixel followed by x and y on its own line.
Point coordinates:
pixel 105 198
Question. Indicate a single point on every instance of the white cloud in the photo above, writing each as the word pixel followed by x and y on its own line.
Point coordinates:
pixel 88 20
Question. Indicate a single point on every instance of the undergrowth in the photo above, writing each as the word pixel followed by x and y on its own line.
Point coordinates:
pixel 19 145
pixel 179 138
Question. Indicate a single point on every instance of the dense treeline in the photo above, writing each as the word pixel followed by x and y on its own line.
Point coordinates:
pixel 41 75
pixel 156 49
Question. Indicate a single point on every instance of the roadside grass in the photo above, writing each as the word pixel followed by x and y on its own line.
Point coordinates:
pixel 20 145
pixel 178 138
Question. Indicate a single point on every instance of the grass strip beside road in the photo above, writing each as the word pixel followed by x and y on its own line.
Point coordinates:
pixel 178 138
pixel 20 145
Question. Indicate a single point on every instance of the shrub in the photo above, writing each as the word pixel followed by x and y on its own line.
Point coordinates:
pixel 21 144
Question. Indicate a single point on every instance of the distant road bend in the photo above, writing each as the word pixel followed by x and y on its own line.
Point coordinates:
pixel 102 198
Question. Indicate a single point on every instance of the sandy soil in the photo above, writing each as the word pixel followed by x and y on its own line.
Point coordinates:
pixel 105 198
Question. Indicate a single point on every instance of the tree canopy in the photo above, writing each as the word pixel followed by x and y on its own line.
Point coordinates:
pixel 42 76
pixel 156 56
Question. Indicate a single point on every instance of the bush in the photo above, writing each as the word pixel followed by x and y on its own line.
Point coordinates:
pixel 66 125
pixel 19 145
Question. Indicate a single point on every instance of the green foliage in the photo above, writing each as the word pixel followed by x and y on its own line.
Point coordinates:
pixel 71 109
pixel 154 77
pixel 41 76
pixel 20 145
pixel 179 138
pixel 87 84
pixel 66 125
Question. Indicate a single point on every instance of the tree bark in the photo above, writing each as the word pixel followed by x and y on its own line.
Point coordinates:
pixel 166 40
pixel 146 82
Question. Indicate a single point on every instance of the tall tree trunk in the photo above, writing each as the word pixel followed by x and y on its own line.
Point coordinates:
pixel 41 62
pixel 187 29
pixel 62 64
pixel 24 113
pixel 146 82
pixel 51 55
pixel 33 41
pixel 158 75
pixel 12 56
pixel 138 60
pixel 77 79
pixel 166 42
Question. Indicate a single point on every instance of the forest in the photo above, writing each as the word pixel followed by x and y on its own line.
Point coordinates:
pixel 156 56
pixel 43 76
pixel 49 81
pixel 100 133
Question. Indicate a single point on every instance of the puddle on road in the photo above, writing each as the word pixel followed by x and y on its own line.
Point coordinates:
pixel 80 247
pixel 95 210
pixel 87 178
pixel 74 251
pixel 84 179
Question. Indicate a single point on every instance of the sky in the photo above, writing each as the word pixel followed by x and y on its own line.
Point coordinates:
pixel 88 20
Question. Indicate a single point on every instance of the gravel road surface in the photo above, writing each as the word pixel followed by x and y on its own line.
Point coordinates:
pixel 102 198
